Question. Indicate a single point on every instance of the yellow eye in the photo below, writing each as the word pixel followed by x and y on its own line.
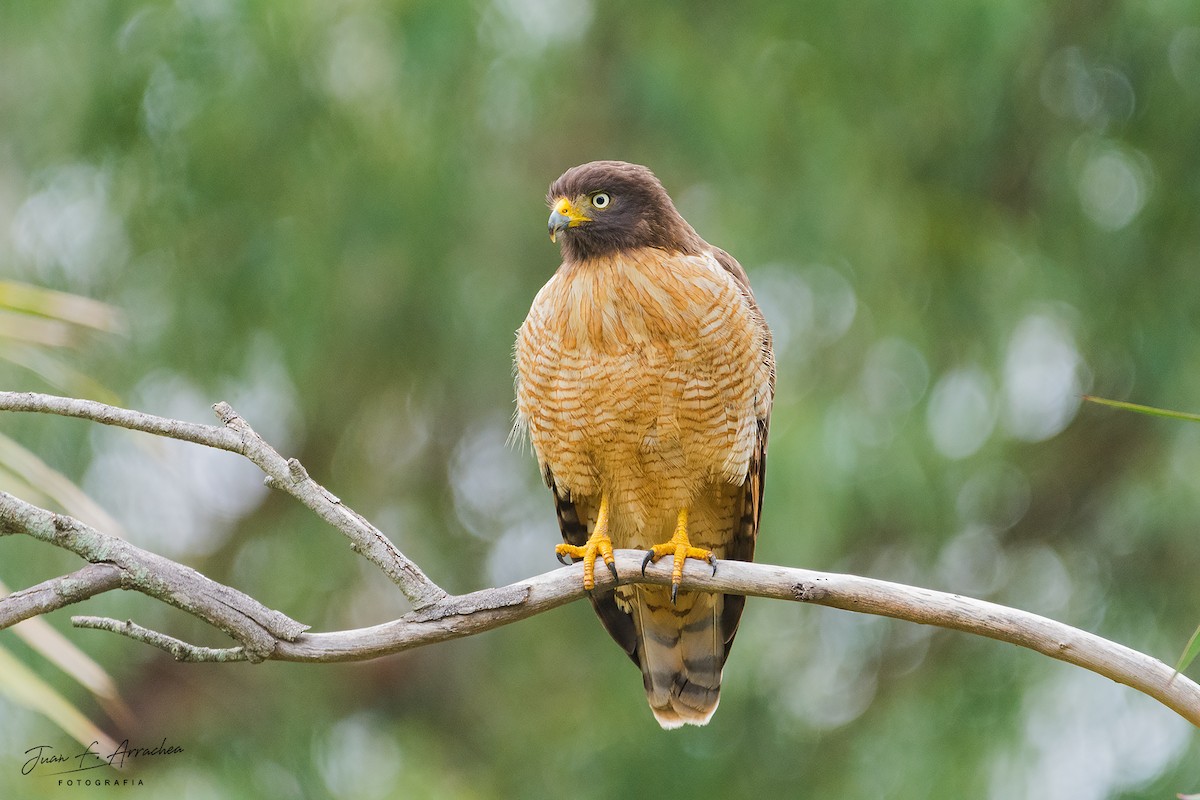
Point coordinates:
pixel 600 200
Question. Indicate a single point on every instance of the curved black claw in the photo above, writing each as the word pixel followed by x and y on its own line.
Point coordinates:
pixel 612 567
pixel 712 560
pixel 562 559
pixel 646 561
pixel 674 592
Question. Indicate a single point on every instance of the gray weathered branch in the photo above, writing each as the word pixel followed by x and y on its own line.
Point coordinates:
pixel 58 592
pixel 255 626
pixel 490 608
pixel 437 616
pixel 282 473
pixel 181 650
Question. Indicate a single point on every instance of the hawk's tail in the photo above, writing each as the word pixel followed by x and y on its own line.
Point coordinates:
pixel 682 650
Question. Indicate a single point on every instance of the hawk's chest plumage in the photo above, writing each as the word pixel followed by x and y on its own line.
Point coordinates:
pixel 643 375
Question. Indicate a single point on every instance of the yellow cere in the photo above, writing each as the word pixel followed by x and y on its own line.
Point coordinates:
pixel 571 210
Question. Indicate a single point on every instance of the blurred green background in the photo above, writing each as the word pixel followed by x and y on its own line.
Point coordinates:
pixel 958 218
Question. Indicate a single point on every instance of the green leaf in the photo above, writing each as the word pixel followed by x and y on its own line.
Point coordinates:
pixel 24 687
pixel 60 306
pixel 51 484
pixel 1193 646
pixel 59 650
pixel 1151 410
pixel 1189 652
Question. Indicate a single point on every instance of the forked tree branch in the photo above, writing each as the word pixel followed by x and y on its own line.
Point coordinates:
pixel 437 616
pixel 282 473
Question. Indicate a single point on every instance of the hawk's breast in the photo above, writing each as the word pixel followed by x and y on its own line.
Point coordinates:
pixel 643 374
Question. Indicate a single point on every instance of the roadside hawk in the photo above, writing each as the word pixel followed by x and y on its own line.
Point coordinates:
pixel 644 378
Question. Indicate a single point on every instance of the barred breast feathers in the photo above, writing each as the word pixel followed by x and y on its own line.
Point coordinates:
pixel 643 342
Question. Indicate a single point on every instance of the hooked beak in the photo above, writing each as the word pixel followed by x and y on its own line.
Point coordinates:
pixel 565 214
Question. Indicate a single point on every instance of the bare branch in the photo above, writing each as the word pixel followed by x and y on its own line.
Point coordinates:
pixel 286 474
pixel 290 476
pixel 55 593
pixel 480 611
pixel 248 621
pixel 207 435
pixel 179 649
pixel 267 634
pixel 473 613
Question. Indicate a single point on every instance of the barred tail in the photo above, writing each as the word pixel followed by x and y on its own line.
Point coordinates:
pixel 682 650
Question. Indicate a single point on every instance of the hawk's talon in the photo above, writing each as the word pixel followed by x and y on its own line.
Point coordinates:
pixel 680 549
pixel 562 559
pixel 598 544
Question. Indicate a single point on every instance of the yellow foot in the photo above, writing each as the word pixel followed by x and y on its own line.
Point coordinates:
pixel 598 544
pixel 681 549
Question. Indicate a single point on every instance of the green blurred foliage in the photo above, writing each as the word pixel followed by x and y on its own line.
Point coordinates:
pixel 958 218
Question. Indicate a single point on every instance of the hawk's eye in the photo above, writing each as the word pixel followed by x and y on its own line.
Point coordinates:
pixel 600 200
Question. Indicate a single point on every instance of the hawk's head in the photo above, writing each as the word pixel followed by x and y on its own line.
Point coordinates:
pixel 607 206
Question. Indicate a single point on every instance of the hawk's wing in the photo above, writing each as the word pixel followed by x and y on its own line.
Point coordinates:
pixel 745 532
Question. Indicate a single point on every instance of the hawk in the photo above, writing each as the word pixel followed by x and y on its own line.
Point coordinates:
pixel 644 379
